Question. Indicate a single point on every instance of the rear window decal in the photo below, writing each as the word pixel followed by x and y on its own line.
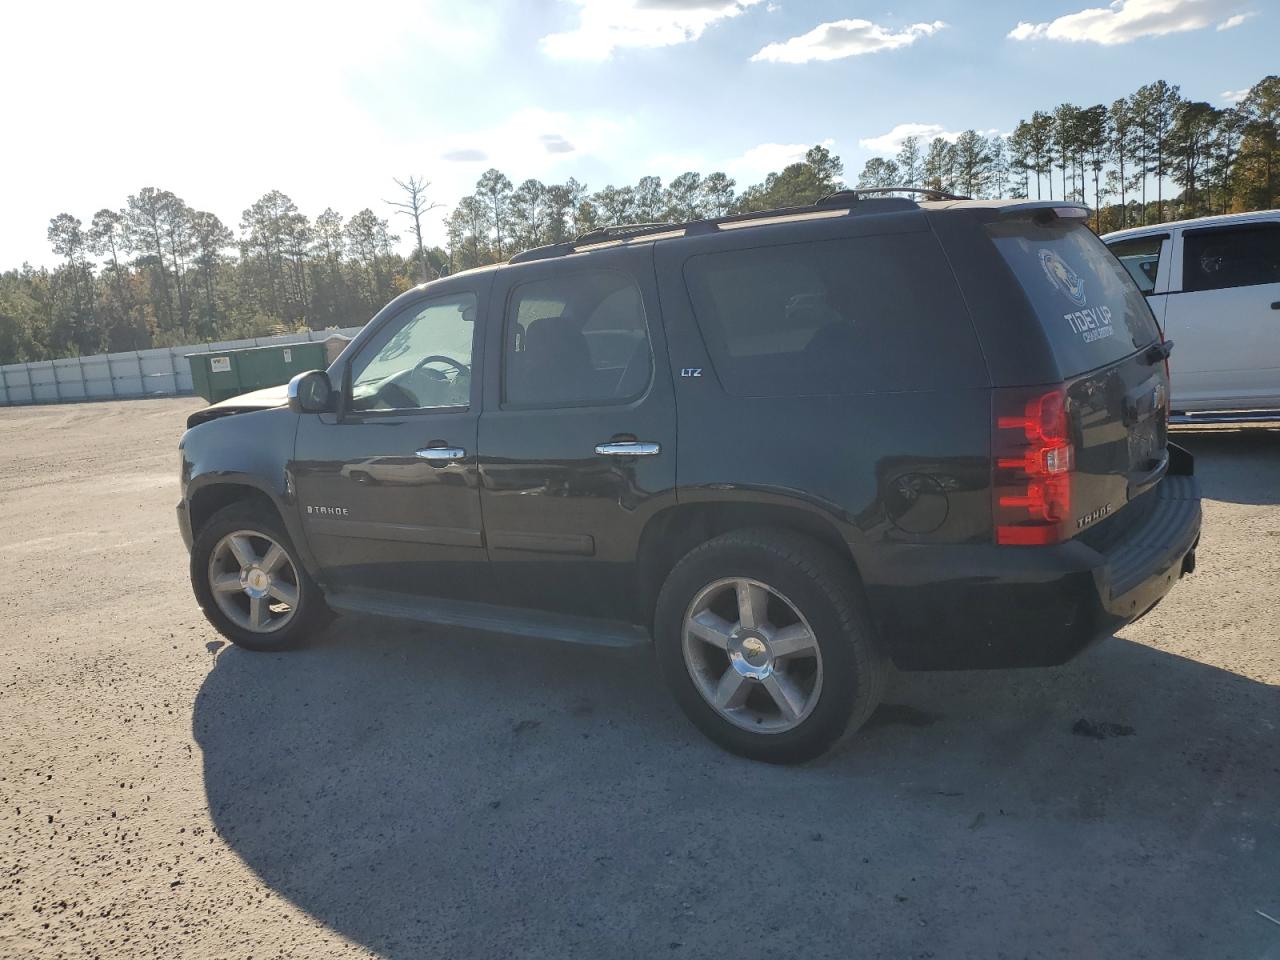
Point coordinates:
pixel 1062 277
pixel 1092 323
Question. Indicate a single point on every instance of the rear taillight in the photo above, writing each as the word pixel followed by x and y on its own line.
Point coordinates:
pixel 1031 463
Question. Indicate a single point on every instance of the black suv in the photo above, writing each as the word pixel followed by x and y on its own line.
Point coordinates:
pixel 792 448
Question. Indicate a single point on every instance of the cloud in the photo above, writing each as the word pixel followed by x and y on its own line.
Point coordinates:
pixel 1126 20
pixel 844 38
pixel 554 143
pixel 516 140
pixel 520 144
pixel 336 57
pixel 1234 96
pixel 1234 21
pixel 608 25
pixel 891 142
pixel 1026 31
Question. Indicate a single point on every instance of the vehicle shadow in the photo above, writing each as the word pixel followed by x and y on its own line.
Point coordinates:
pixel 442 793
pixel 1235 465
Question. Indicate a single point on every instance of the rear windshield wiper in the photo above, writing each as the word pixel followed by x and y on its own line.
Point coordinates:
pixel 1158 352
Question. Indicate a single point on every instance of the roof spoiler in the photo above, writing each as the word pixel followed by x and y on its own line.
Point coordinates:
pixel 1042 211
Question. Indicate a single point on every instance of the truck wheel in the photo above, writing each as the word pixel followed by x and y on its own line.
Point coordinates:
pixel 764 639
pixel 250 583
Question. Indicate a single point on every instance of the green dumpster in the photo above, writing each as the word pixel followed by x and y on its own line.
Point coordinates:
pixel 229 373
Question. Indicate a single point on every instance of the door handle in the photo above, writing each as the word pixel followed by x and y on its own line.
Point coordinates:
pixel 441 454
pixel 628 448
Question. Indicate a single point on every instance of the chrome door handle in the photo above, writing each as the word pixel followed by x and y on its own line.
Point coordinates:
pixel 441 454
pixel 628 448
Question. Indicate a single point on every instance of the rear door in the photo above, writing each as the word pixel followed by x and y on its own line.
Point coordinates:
pixel 1107 348
pixel 1225 318
pixel 577 441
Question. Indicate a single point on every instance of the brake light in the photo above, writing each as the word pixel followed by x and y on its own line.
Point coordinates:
pixel 1071 213
pixel 1031 458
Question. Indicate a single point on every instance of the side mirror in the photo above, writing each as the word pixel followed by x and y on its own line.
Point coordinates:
pixel 311 392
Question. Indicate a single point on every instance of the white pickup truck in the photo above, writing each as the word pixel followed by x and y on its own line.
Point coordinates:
pixel 1214 287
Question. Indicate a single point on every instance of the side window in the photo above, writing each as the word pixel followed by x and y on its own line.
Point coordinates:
pixel 850 316
pixel 1219 257
pixel 419 360
pixel 575 339
pixel 1141 258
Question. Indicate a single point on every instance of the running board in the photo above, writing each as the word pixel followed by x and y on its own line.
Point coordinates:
pixel 514 621
pixel 1242 416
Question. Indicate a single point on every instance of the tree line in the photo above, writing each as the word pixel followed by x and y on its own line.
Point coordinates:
pixel 1124 159
pixel 156 272
pixel 501 218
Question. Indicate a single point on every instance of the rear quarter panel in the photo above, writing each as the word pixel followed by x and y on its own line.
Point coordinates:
pixel 884 467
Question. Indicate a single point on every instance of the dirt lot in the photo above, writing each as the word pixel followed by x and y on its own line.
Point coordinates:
pixel 406 793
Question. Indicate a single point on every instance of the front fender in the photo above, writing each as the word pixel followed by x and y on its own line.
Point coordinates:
pixel 251 450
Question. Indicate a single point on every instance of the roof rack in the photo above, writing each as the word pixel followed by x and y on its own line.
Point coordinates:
pixel 876 191
pixel 841 199
pixel 619 230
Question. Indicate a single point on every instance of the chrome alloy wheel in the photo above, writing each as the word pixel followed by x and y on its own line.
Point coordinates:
pixel 752 655
pixel 253 581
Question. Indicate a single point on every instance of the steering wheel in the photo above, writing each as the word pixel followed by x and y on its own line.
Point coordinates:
pixel 462 368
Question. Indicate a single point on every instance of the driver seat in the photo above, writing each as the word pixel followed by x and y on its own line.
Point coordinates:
pixel 557 363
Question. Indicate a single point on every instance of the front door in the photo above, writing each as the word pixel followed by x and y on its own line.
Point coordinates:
pixel 1225 322
pixel 388 487
pixel 577 442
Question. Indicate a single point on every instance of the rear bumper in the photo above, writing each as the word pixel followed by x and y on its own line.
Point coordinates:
pixel 1141 569
pixel 970 607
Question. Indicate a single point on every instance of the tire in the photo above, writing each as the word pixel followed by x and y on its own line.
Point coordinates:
pixel 244 530
pixel 828 695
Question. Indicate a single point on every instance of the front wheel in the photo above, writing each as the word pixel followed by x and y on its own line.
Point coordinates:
pixel 764 640
pixel 249 582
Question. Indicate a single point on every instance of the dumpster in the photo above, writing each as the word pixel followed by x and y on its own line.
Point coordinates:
pixel 229 373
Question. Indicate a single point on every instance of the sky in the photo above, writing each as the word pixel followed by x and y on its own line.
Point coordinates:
pixel 327 102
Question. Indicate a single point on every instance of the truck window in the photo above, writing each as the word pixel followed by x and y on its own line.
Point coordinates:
pixel 576 339
pixel 420 360
pixel 1215 258
pixel 1141 258
pixel 856 315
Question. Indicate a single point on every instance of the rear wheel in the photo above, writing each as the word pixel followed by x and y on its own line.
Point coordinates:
pixel 764 641
pixel 250 583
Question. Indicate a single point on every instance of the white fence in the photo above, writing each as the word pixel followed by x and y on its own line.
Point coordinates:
pixel 161 372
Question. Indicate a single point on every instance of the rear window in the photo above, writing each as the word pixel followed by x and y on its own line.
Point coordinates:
pixel 1092 311
pixel 860 315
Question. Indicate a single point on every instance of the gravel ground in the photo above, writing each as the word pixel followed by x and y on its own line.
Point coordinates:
pixel 401 792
